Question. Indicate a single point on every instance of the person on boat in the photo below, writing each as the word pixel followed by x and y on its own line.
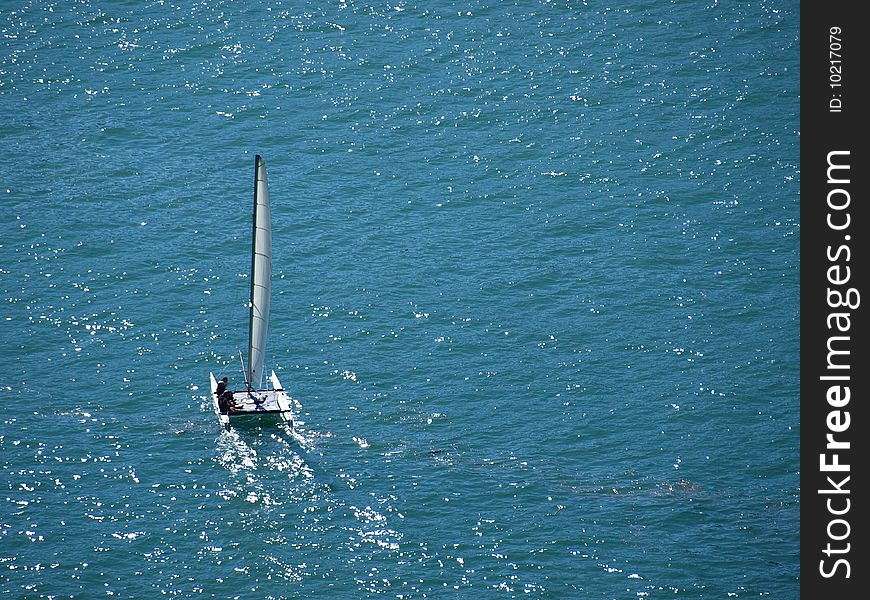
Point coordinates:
pixel 221 387
pixel 225 397
pixel 231 405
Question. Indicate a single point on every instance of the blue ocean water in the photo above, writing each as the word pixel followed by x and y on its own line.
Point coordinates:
pixel 535 286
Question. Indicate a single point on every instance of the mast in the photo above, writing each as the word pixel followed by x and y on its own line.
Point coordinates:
pixel 261 275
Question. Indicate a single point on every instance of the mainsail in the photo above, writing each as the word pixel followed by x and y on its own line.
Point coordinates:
pixel 261 276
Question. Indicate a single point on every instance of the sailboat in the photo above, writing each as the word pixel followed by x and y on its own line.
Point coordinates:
pixel 253 400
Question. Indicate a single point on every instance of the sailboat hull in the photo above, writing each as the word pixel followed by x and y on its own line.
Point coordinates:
pixel 222 417
pixel 254 403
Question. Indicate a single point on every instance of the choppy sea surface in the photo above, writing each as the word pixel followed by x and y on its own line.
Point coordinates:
pixel 535 287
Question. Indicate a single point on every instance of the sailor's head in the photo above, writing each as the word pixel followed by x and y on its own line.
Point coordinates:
pixel 224 379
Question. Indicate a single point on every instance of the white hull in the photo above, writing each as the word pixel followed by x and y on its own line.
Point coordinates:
pixel 254 403
pixel 223 418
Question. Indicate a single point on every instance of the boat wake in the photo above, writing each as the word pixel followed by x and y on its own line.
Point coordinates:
pixel 247 452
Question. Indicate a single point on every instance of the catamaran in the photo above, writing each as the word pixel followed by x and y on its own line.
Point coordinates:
pixel 252 400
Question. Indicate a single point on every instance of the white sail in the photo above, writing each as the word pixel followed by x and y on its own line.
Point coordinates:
pixel 261 276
